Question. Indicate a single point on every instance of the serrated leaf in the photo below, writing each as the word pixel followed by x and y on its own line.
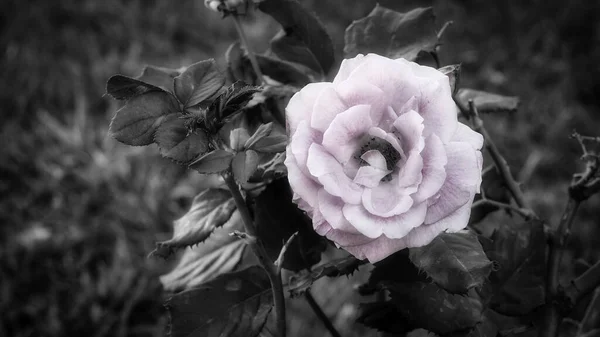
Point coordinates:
pixel 282 71
pixel 392 34
pixel 271 144
pixel 430 307
pixel 291 48
pixel 304 26
pixel 159 77
pixel 453 73
pixel 198 82
pixel 271 167
pixel 177 142
pixel 301 282
pixel 277 218
pixel 494 188
pixel 221 253
pixel 136 122
pixel 397 268
pixel 383 316
pixel 518 282
pixel 123 87
pixel 213 162
pixel 485 328
pixel 210 209
pixel 229 104
pixel 455 261
pixel 262 131
pixel 232 305
pixel 243 165
pixel 487 102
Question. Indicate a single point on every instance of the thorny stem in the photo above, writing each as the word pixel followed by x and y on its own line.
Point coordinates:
pixel 244 41
pixel 320 314
pixel 260 252
pixel 524 212
pixel 583 284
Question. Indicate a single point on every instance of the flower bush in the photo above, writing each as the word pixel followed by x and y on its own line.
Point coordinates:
pixel 378 158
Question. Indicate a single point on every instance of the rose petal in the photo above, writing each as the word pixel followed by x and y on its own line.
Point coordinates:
pixel 395 226
pixel 465 134
pixel 388 137
pixel 426 72
pixel 342 136
pixel 375 159
pixel 330 174
pixel 409 129
pixel 302 185
pixel 328 105
pixel 358 93
pixel 376 250
pixel 434 171
pixel 370 176
pixel 330 208
pixel 410 174
pixel 347 67
pixel 438 110
pixel 301 141
pixel 300 105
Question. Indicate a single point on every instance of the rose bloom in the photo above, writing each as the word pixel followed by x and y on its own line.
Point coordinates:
pixel 378 158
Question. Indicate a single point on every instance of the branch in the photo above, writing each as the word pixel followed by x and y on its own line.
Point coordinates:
pixel 279 261
pixel 590 319
pixel 527 214
pixel 583 284
pixel 320 314
pixel 244 41
pixel 260 252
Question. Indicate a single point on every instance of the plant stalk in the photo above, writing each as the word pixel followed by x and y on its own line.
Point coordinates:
pixel 260 252
pixel 320 314
pixel 244 41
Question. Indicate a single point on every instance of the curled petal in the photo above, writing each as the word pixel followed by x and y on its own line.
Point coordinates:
pixel 360 93
pixel 434 169
pixel 347 67
pixel 300 105
pixel 301 141
pixel 328 105
pixel 342 136
pixel 370 176
pixel 465 134
pixel 303 186
pixel 410 175
pixel 409 129
pixel 438 110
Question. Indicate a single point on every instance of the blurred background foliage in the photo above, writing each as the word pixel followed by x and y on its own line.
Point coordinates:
pixel 80 212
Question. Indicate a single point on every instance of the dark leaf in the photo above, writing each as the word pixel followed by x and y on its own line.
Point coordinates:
pixel 272 144
pixel 568 328
pixel 282 71
pixel 210 209
pixel 213 162
pixel 392 34
pixel 291 48
pixel 277 218
pixel 123 87
pixel 244 164
pixel 232 305
pixel 137 121
pixel 271 168
pixel 495 189
pixel 159 77
pixel 485 328
pixel 455 261
pixel 512 326
pixel 228 104
pixel 301 282
pixel 432 308
pixel 518 282
pixel 453 73
pixel 397 268
pixel 238 64
pixel 487 102
pixel 222 253
pixel 262 131
pixel 304 26
pixel 383 316
pixel 177 142
pixel 198 82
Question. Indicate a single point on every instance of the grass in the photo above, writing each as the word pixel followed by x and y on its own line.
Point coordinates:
pixel 80 212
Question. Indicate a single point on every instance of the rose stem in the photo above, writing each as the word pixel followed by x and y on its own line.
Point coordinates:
pixel 524 212
pixel 583 284
pixel 260 252
pixel 320 314
pixel 244 41
pixel 590 318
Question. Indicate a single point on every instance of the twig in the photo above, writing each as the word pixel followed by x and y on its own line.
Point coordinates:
pixel 524 212
pixel 261 254
pixel 443 29
pixel 279 261
pixel 590 319
pixel 244 41
pixel 320 314
pixel 583 284
pixel 498 159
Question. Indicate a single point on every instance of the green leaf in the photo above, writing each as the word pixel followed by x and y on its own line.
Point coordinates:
pixel 455 261
pixel 485 328
pixel 238 64
pixel 123 87
pixel 518 282
pixel 427 306
pixel 292 49
pixel 136 122
pixel 220 254
pixel 159 77
pixel 487 102
pixel 383 316
pixel 304 26
pixel 397 268
pixel 232 305
pixel 244 164
pixel 282 71
pixel 198 82
pixel 262 131
pixel 277 218
pixel 210 209
pixel 229 104
pixel 495 189
pixel 301 282
pixel 177 142
pixel 213 162
pixel 453 73
pixel 270 168
pixel 392 34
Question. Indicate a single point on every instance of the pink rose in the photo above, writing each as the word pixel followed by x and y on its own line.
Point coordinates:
pixel 378 158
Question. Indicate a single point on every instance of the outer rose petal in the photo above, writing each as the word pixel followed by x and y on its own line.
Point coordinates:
pixel 465 134
pixel 327 106
pixel 299 107
pixel 438 110
pixel 434 168
pixel 303 186
pixel 347 67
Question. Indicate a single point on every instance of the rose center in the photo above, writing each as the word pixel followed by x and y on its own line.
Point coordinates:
pixel 386 149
